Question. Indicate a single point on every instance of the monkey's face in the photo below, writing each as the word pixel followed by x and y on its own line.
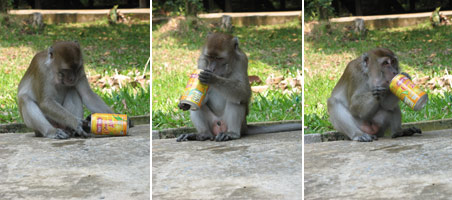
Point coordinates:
pixel 68 76
pixel 383 66
pixel 66 61
pixel 217 62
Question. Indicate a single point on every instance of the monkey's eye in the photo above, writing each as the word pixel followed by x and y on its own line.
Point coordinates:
pixel 385 63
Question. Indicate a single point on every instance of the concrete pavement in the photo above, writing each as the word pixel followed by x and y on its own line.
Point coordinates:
pixel 417 167
pixel 94 168
pixel 266 166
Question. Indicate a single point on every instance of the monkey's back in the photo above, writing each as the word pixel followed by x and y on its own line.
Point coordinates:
pixel 33 72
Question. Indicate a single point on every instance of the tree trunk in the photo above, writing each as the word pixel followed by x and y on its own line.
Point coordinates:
pixel 412 5
pixel 282 4
pixel 190 9
pixel 211 4
pixel 143 3
pixel 358 11
pixel 228 6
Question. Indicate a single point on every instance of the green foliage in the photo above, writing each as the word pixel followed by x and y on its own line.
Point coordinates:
pixel 5 5
pixel 318 9
pixel 421 50
pixel 174 7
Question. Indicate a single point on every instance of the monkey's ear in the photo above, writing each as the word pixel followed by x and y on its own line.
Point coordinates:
pixel 76 43
pixel 235 41
pixel 364 62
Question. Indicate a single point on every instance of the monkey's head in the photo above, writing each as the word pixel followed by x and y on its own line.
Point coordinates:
pixel 65 59
pixel 219 52
pixel 380 65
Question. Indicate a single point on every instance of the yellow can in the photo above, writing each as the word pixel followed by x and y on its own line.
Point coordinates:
pixel 408 92
pixel 195 91
pixel 109 124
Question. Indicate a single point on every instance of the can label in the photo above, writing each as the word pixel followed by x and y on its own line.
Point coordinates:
pixel 108 124
pixel 195 91
pixel 408 92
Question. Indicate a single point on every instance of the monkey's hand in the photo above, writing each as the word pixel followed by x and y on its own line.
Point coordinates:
pixel 79 130
pixel 60 134
pixel 207 77
pixel 183 106
pixel 379 92
pixel 404 73
pixel 365 138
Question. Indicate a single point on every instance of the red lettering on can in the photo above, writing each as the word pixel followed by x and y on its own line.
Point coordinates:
pixel 99 125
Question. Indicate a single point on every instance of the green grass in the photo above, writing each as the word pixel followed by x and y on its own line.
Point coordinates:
pixel 421 50
pixel 107 49
pixel 270 49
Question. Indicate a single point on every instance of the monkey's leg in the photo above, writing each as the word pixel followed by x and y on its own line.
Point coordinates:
pixel 73 103
pixel 396 126
pixel 234 116
pixel 344 122
pixel 35 119
pixel 201 119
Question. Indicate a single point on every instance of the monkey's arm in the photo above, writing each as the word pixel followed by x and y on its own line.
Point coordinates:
pixel 234 89
pixel 363 105
pixel 56 112
pixel 91 100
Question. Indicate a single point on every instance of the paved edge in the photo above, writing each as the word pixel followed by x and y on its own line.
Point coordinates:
pixel 78 11
pixel 21 128
pixel 245 19
pixel 335 136
pixel 383 21
pixel 173 132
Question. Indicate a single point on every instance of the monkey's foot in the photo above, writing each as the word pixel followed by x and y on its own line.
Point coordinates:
pixel 192 136
pixel 226 136
pixel 365 138
pixel 60 134
pixel 186 137
pixel 407 132
pixel 222 137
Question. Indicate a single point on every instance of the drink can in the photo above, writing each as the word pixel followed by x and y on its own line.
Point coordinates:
pixel 408 92
pixel 109 124
pixel 195 91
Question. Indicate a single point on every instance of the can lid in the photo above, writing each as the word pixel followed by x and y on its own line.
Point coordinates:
pixel 421 103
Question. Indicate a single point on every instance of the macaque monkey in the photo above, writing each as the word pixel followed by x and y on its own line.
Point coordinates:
pixel 222 115
pixel 361 105
pixel 53 90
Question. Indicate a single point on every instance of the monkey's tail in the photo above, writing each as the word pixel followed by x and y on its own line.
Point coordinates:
pixel 253 129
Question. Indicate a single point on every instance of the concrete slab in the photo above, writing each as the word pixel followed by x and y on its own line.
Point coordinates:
pixel 417 167
pixel 245 19
pixel 255 18
pixel 95 168
pixel 389 21
pixel 266 166
pixel 80 15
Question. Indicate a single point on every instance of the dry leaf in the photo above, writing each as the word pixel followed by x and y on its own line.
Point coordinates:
pixel 261 88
